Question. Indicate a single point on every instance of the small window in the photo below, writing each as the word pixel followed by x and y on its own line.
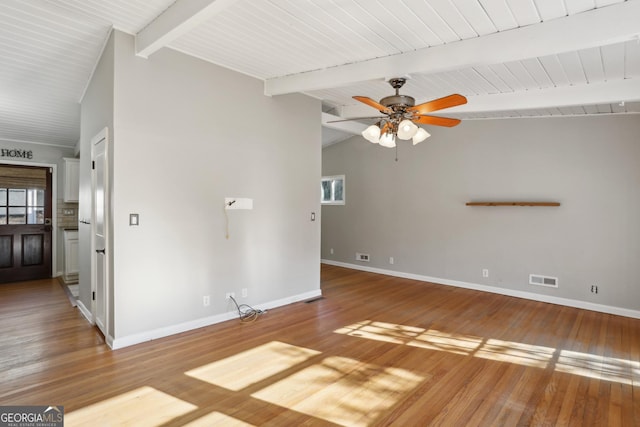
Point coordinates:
pixel 21 206
pixel 332 190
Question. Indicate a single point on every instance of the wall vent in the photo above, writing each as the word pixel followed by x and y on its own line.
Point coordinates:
pixel 362 257
pixel 539 280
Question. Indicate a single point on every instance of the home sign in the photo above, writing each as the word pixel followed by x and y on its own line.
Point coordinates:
pixel 15 153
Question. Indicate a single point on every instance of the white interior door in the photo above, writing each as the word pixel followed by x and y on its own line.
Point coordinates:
pixel 100 240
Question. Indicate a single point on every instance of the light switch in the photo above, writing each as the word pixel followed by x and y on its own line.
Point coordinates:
pixel 133 219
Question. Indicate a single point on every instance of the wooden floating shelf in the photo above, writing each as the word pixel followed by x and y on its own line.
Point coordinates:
pixel 513 204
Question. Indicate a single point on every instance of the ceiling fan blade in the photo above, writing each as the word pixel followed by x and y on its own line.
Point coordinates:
pixel 435 120
pixel 371 103
pixel 356 118
pixel 439 104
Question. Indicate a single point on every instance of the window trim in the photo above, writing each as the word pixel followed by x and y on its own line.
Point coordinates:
pixel 333 179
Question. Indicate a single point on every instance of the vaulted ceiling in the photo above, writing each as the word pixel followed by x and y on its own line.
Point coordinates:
pixel 510 58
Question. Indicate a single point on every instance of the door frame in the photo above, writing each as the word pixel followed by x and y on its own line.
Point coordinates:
pixel 54 208
pixel 103 134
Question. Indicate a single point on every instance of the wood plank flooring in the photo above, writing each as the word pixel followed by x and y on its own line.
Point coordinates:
pixel 376 350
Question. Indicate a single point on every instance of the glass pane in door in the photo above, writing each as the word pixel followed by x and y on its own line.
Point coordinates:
pixel 35 215
pixel 17 216
pixel 17 197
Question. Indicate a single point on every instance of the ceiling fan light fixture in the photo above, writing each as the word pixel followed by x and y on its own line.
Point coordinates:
pixel 401 116
pixel 388 140
pixel 420 136
pixel 372 134
pixel 407 129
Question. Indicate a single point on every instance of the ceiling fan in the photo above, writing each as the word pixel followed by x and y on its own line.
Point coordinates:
pixel 401 116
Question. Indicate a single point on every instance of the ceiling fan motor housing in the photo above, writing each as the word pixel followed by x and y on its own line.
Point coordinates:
pixel 396 101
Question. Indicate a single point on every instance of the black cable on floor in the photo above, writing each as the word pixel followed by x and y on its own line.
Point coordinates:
pixel 246 312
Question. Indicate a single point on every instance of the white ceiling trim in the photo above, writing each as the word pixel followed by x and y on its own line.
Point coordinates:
pixel 597 27
pixel 180 18
pixel 23 141
pixel 608 92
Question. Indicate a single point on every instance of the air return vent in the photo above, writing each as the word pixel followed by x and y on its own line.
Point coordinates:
pixel 539 280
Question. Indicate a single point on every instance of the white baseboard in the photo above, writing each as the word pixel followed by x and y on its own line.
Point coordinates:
pixel 87 314
pixel 502 291
pixel 154 334
pixel 200 323
pixel 85 311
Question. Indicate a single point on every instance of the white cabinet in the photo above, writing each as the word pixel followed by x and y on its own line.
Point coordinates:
pixel 71 256
pixel 71 180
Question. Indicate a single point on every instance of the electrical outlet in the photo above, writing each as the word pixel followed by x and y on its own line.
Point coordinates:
pixel 594 289
pixel 245 292
pixel 230 295
pixel 206 300
pixel 331 251
pixel 485 272
pixel 362 257
pixel 390 260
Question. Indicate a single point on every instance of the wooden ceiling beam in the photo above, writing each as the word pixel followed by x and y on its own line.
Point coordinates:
pixel 180 18
pixel 608 92
pixel 606 25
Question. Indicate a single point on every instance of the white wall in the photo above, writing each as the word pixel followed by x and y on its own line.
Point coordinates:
pixel 187 134
pixel 96 113
pixel 414 209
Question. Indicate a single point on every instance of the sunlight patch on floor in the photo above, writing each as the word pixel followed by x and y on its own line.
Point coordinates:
pixel 341 390
pixel 576 363
pixel 143 406
pixel 413 336
pixel 381 331
pixel 249 367
pixel 443 341
pixel 217 419
pixel 599 367
pixel 518 353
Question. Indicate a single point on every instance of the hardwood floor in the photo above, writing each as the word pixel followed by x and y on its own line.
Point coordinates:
pixel 376 350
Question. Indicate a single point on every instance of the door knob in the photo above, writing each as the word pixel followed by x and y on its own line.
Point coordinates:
pixel 100 251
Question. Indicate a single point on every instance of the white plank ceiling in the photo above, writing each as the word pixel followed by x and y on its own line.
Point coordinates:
pixel 510 58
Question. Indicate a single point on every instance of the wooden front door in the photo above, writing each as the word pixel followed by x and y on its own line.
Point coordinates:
pixel 25 223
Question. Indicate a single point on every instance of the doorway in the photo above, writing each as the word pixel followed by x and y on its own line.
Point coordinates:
pixel 100 231
pixel 25 223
